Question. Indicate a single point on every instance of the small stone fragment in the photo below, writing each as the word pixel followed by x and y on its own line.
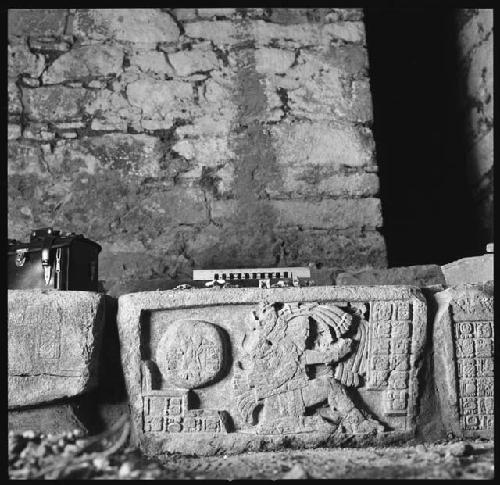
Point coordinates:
pixel 297 472
pixel 462 448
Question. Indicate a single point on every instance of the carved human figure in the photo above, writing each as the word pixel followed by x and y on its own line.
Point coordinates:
pixel 298 357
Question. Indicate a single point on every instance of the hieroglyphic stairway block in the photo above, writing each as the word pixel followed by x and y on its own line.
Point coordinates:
pixel 238 369
pixel 464 359
pixel 53 344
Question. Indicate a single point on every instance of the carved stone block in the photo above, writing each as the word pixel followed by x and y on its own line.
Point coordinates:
pixel 53 343
pixel 464 359
pixel 232 370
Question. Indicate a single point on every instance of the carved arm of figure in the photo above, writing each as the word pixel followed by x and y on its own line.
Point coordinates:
pixel 336 352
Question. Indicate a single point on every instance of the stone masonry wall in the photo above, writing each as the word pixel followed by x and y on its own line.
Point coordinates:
pixel 475 42
pixel 195 138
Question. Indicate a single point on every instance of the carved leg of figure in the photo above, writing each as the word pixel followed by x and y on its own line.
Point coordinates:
pixel 353 419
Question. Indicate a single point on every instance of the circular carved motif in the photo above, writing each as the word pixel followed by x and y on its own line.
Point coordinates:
pixel 190 353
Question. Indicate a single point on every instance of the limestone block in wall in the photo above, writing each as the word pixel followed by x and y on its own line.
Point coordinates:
pixel 323 144
pixel 464 359
pixel 84 62
pixel 37 22
pixel 53 344
pixel 422 275
pixel 22 61
pixel 189 62
pixel 475 269
pixel 146 26
pixel 56 103
pixel 232 370
pixel 14 98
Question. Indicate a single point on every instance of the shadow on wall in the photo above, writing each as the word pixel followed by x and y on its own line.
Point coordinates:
pixel 429 215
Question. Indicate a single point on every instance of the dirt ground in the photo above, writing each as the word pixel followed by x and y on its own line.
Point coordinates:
pixel 444 461
pixel 108 456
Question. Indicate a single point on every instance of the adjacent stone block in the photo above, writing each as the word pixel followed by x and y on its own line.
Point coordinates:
pixel 161 99
pixel 37 22
pixel 22 61
pixel 476 269
pixel 226 371
pixel 138 25
pixel 84 62
pixel 464 334
pixel 323 144
pixel 189 62
pixel 422 275
pixel 220 32
pixel 338 213
pixel 14 98
pixel 56 103
pixel 51 418
pixel 53 344
pixel 152 61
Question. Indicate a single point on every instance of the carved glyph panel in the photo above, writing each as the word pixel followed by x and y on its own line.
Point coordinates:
pixel 267 366
pixel 464 350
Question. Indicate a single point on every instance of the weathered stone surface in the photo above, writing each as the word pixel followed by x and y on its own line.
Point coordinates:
pixel 51 418
pixel 423 275
pixel 349 58
pixel 213 12
pixel 137 25
pixel 185 13
pixel 307 35
pixel 13 131
pixel 320 180
pixel 84 62
pixel 320 144
pixel 56 103
pixel 111 110
pixel 341 251
pixel 49 44
pixel 14 98
pixel 38 131
pixel 208 152
pixel 148 127
pixel 221 32
pixel 464 359
pixel 346 31
pixel 318 90
pixel 328 213
pixel 25 158
pixel 269 60
pixel 138 155
pixel 475 101
pixel 161 99
pixel 54 340
pixel 33 22
pixel 275 386
pixel 476 269
pixel 189 62
pixel 338 213
pixel 22 61
pixel 153 61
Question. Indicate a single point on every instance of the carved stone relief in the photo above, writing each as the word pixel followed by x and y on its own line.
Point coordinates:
pixel 464 359
pixel 190 354
pixel 238 362
pixel 53 344
pixel 299 356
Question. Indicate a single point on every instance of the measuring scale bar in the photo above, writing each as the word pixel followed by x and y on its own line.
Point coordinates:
pixel 250 273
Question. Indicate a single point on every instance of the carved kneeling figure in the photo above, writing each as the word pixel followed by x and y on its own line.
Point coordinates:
pixel 297 360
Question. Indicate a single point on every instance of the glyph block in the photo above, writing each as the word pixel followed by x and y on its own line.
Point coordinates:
pixel 233 370
pixel 464 334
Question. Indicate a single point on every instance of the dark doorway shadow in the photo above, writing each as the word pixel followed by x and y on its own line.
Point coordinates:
pixel 427 209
